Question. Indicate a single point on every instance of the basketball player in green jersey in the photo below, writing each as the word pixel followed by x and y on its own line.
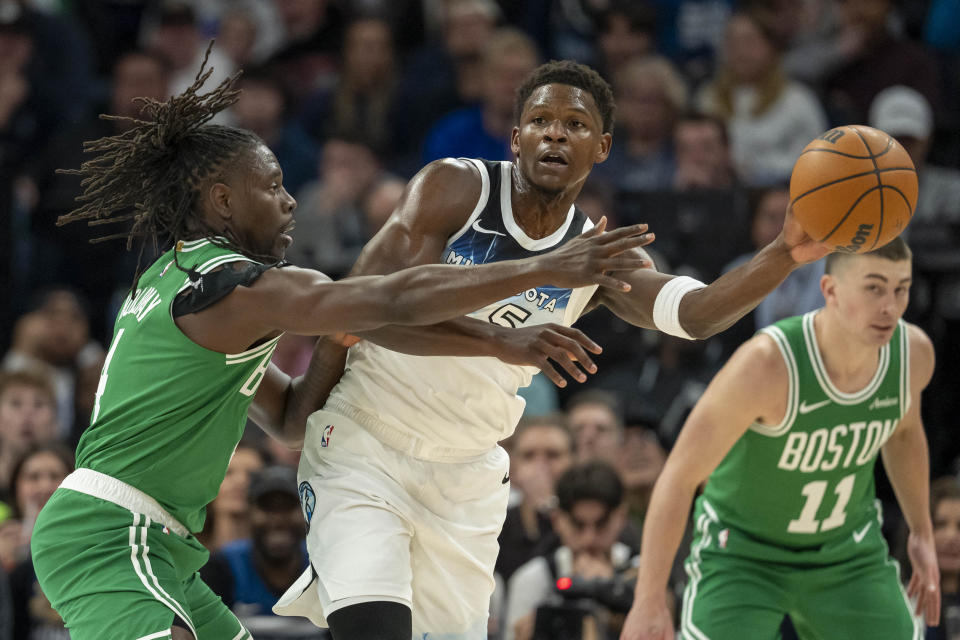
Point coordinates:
pixel 113 549
pixel 788 433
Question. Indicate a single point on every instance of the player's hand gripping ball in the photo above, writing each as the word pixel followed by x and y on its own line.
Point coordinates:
pixel 854 188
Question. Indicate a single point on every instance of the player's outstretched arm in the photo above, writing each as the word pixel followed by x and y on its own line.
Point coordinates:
pixel 692 310
pixel 906 460
pixel 751 386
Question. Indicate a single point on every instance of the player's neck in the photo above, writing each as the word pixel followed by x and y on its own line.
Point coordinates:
pixel 538 212
pixel 849 361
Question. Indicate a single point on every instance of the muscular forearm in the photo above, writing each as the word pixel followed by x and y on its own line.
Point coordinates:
pixel 459 337
pixel 907 463
pixel 307 393
pixel 663 529
pixel 708 311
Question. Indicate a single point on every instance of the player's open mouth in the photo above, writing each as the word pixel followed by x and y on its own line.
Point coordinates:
pixel 553 159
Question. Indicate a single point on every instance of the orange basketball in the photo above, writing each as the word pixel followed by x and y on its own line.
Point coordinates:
pixel 854 188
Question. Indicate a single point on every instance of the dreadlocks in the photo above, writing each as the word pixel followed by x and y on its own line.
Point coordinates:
pixel 151 174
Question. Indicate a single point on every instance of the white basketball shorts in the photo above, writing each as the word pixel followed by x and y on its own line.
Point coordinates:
pixel 384 526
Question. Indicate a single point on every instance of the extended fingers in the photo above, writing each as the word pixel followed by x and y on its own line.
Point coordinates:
pixel 579 336
pixel 625 232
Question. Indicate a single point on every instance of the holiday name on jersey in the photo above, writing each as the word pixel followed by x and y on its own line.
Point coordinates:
pixel 826 449
pixel 141 304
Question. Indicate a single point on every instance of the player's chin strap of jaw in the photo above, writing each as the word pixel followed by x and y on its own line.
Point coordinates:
pixel 666 308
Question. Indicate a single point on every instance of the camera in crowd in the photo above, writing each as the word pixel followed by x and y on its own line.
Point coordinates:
pixel 585 609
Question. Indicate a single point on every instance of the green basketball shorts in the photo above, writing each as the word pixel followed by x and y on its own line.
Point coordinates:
pixel 113 572
pixel 740 587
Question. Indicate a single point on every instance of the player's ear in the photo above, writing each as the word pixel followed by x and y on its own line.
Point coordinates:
pixel 218 200
pixel 515 141
pixel 828 286
pixel 603 151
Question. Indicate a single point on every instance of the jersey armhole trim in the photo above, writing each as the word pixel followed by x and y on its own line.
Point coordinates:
pixel 906 398
pixel 481 202
pixel 793 386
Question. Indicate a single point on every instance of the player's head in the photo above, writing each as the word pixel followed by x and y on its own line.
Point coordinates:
pixel 591 512
pixel 177 177
pixel 563 125
pixel 867 293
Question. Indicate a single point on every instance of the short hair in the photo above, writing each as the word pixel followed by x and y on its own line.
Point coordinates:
pixel 895 251
pixel 700 117
pixel 31 378
pixel 556 420
pixel 595 480
pixel 943 488
pixel 576 75
pixel 601 397
pixel 509 41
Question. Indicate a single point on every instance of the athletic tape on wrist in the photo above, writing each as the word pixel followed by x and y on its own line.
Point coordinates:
pixel 666 308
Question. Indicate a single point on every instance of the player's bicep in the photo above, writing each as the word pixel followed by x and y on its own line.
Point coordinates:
pixel 744 391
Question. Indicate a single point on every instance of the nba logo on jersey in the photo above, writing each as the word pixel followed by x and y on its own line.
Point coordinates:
pixel 308 500
pixel 325 438
pixel 722 538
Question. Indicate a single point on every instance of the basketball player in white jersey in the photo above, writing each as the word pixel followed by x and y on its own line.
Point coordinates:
pixel 402 482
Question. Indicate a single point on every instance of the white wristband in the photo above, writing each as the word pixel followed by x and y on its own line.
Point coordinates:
pixel 666 308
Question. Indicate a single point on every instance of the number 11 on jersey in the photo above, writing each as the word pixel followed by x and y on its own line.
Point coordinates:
pixel 814 492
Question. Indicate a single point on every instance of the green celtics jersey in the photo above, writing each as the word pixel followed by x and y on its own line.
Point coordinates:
pixel 168 412
pixel 809 479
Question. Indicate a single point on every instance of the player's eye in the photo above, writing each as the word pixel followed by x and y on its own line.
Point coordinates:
pixel 538 120
pixel 576 123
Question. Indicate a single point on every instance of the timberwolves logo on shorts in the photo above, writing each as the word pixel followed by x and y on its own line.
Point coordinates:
pixel 308 501
pixel 325 438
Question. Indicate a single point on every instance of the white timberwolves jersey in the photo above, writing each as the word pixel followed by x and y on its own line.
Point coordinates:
pixel 451 407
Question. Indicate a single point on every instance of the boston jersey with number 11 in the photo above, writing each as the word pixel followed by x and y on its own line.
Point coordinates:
pixel 809 479
pixel 463 406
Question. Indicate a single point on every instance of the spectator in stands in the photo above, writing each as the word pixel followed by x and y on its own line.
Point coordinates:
pixel 702 150
pixel 252 573
pixel 36 476
pixel 641 460
pixel 483 130
pixel 177 38
pixel 28 416
pixel 542 449
pixel 331 230
pixel 945 510
pixel 54 337
pixel 363 102
pixel 881 59
pixel 589 517
pixel 596 422
pixel 444 74
pixel 907 116
pixel 626 31
pixel 770 118
pixel 228 516
pixel 262 108
pixel 650 95
pixel 237 36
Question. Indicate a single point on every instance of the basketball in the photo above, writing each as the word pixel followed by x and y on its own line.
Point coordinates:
pixel 854 188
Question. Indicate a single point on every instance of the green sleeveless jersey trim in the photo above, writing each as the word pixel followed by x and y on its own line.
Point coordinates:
pixel 809 478
pixel 168 413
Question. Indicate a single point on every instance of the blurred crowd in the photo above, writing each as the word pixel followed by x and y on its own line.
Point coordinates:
pixel 715 100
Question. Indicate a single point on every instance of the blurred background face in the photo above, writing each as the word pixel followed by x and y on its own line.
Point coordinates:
pixel 748 53
pixel 643 109
pixel 301 17
pixel 368 51
pixel 619 42
pixel 232 497
pixel 768 218
pixel 260 108
pixel 466 29
pixel 237 35
pixel 642 458
pixel 178 43
pixel 66 328
pixel 542 446
pixel 40 476
pixel 701 150
pixel 348 164
pixel 277 526
pixel 136 76
pixel 869 14
pixel 27 416
pixel 589 527
pixel 946 535
pixel 596 432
